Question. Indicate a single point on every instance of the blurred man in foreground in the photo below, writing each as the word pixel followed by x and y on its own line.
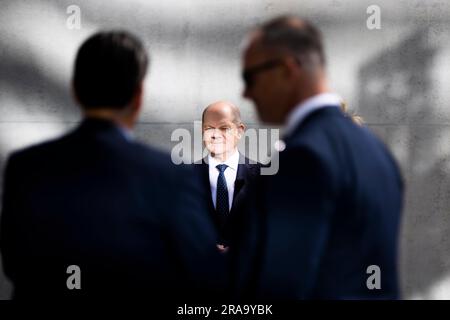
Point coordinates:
pixel 332 212
pixel 98 203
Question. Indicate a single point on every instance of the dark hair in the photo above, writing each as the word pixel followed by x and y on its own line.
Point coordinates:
pixel 109 67
pixel 292 34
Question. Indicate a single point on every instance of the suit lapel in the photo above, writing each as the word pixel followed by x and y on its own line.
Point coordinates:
pixel 205 179
pixel 240 180
pixel 241 177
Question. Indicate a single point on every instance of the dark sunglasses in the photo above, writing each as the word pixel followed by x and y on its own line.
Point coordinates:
pixel 249 74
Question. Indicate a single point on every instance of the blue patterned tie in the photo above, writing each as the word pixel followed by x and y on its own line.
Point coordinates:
pixel 222 206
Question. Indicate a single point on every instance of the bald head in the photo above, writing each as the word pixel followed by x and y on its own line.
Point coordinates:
pixel 222 110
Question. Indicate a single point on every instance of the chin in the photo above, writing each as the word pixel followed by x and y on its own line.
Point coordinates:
pixel 216 150
pixel 264 118
pixel 270 119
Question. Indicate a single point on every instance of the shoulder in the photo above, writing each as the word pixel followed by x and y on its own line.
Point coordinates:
pixel 148 154
pixel 250 167
pixel 36 152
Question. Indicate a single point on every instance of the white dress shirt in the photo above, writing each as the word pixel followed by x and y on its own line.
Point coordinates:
pixel 301 111
pixel 229 173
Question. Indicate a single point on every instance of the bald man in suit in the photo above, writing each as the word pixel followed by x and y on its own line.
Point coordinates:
pixel 226 174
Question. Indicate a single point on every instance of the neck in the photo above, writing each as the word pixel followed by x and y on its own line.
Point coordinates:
pixel 303 97
pixel 223 156
pixel 306 92
pixel 119 117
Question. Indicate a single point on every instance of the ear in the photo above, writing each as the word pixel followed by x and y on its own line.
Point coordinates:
pixel 138 97
pixel 293 66
pixel 241 130
pixel 74 94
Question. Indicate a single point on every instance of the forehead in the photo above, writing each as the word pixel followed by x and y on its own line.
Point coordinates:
pixel 218 116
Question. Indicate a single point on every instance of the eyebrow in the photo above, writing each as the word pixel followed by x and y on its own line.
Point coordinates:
pixel 220 125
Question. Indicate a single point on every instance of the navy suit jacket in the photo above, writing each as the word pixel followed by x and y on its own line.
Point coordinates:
pixel 247 172
pixel 133 222
pixel 331 212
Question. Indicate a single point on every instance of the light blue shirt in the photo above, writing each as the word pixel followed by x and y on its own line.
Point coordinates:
pixel 127 133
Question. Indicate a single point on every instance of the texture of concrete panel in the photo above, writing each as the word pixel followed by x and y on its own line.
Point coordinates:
pixel 425 241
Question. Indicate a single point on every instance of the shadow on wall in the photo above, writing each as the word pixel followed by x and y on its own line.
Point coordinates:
pixel 34 104
pixel 396 99
pixel 23 82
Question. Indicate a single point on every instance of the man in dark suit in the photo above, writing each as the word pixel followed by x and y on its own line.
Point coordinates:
pixel 96 214
pixel 326 225
pixel 225 173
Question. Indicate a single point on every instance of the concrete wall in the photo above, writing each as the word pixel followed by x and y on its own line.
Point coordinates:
pixel 395 77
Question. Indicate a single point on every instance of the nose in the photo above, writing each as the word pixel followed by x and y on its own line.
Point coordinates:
pixel 215 134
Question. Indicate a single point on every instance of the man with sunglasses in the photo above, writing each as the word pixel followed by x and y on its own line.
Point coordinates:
pixel 331 213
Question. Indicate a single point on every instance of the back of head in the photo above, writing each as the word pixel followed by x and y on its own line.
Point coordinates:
pixel 109 68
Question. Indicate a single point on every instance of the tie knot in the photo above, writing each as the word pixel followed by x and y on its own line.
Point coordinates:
pixel 221 167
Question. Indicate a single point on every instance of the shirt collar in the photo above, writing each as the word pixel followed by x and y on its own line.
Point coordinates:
pixel 232 162
pixel 302 110
pixel 127 133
